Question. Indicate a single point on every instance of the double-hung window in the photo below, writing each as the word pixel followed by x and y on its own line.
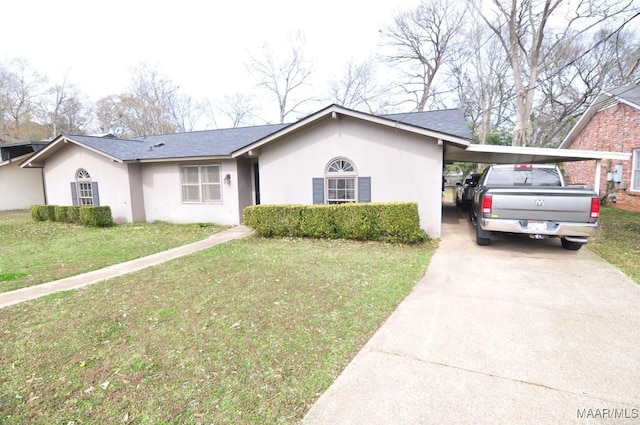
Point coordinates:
pixel 340 184
pixel 84 191
pixel 635 180
pixel 83 182
pixel 341 181
pixel 200 183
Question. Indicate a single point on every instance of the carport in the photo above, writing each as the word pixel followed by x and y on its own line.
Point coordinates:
pixel 493 154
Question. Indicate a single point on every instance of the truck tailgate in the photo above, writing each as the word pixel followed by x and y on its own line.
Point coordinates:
pixel 557 204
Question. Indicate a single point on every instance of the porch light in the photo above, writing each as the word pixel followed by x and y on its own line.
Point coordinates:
pixel 227 179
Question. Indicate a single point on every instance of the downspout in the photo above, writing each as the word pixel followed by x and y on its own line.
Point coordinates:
pixel 44 189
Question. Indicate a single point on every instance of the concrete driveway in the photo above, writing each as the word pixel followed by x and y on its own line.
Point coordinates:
pixel 519 332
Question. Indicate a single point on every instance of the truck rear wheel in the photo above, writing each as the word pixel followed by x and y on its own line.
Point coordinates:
pixel 572 246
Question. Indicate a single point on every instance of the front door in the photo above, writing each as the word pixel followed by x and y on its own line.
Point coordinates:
pixel 256 181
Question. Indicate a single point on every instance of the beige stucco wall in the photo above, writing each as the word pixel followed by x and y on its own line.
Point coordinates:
pixel 20 187
pixel 163 199
pixel 402 166
pixel 112 177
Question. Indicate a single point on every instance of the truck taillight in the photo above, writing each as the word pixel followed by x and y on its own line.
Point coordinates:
pixel 595 208
pixel 486 204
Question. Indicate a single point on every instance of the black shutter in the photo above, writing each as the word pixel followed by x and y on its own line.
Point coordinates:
pixel 74 194
pixel 95 194
pixel 364 189
pixel 318 190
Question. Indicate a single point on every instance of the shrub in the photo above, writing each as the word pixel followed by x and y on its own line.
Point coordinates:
pixel 67 214
pixel 73 213
pixel 96 216
pixel 43 212
pixel 317 222
pixel 390 222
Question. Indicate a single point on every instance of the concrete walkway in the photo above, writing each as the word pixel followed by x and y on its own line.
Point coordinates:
pixel 519 332
pixel 24 294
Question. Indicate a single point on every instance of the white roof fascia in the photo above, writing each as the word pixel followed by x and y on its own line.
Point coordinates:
pixel 582 121
pixel 567 153
pixel 63 139
pixel 41 152
pixel 590 112
pixel 181 159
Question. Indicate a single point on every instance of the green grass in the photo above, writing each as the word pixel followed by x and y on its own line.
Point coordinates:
pixel 618 240
pixel 250 331
pixel 37 252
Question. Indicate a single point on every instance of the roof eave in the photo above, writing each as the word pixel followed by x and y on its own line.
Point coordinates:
pixel 181 159
pixel 37 159
pixel 567 154
pixel 589 113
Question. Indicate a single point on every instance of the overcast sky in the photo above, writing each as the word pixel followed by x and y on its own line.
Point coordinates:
pixel 202 46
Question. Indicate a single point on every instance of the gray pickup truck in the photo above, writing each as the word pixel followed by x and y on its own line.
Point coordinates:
pixel 533 199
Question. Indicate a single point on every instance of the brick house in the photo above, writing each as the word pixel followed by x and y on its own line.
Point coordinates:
pixel 611 123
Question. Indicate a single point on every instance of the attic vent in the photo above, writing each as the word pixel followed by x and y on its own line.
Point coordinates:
pixel 608 103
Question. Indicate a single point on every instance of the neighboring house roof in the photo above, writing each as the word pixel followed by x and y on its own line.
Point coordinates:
pixel 12 151
pixel 447 124
pixel 628 94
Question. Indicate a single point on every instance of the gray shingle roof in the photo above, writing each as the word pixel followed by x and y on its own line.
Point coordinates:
pixel 178 145
pixel 630 93
pixel 446 121
pixel 223 142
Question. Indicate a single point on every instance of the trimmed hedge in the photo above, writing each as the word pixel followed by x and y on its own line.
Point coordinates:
pixel 85 215
pixel 43 212
pixel 389 222
pixel 67 214
pixel 96 216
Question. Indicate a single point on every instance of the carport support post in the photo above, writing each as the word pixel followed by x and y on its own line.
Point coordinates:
pixel 596 183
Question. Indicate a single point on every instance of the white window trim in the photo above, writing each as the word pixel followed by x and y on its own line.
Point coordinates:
pixel 83 186
pixel 635 169
pixel 340 175
pixel 200 185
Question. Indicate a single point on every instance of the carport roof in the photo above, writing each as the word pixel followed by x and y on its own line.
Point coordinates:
pixel 492 154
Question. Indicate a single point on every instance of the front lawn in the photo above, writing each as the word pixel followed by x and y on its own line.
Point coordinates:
pixel 250 331
pixel 37 252
pixel 618 240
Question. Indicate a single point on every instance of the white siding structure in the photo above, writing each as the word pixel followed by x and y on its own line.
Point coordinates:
pixel 19 189
pixel 403 166
pixel 112 178
pixel 163 202
pixel 333 155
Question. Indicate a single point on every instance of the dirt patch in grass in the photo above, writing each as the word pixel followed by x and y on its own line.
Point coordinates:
pixel 250 331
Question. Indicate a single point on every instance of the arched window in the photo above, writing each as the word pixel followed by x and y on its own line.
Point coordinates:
pixel 340 175
pixel 84 189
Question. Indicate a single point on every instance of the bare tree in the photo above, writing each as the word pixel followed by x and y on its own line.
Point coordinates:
pixel 358 88
pixel 616 56
pixel 281 77
pixel 64 109
pixel 423 41
pixel 153 105
pixel 238 108
pixel 20 88
pixel 521 27
pixel 480 74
